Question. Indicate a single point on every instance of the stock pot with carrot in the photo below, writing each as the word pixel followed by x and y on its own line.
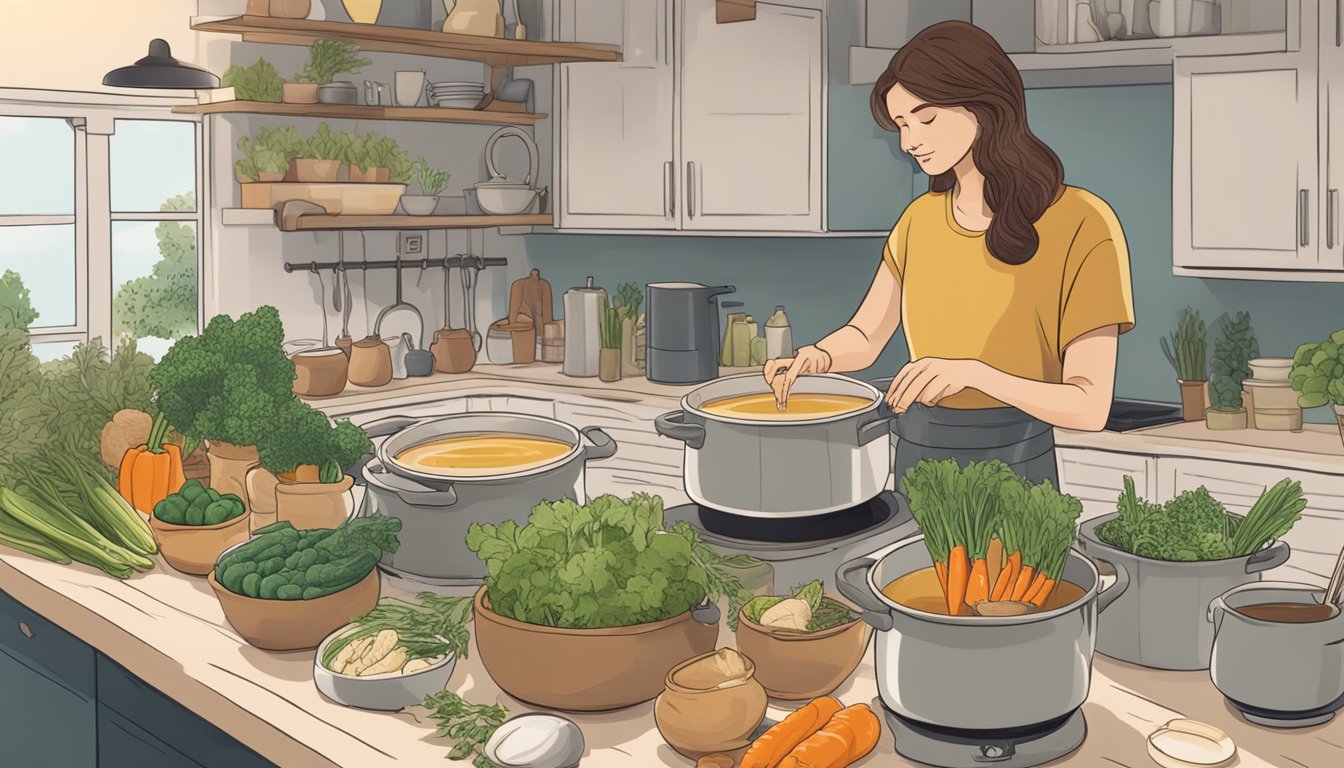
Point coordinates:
pixel 991 597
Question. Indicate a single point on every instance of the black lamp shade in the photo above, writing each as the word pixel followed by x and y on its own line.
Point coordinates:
pixel 160 70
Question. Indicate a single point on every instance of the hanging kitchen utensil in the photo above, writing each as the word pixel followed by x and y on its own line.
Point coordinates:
pixel 399 346
pixel 470 276
pixel 452 348
pixel 1332 594
pixel 344 341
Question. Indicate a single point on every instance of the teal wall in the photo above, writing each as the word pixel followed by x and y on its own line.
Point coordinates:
pixel 1114 141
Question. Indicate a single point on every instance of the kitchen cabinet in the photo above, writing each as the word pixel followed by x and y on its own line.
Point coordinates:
pixel 702 127
pixel 1097 478
pixel 123 744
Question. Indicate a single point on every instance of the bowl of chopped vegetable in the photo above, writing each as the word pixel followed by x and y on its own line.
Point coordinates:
pixel 1180 556
pixel 395 655
pixel 804 645
pixel 286 589
pixel 196 524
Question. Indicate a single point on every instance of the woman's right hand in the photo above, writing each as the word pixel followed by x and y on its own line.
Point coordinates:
pixel 782 372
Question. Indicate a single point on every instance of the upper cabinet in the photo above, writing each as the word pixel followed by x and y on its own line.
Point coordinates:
pixel 703 126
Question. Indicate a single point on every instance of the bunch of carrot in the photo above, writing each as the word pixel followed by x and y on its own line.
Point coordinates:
pixel 822 734
pixel 991 535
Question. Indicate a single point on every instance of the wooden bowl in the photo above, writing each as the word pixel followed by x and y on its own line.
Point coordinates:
pixel 293 625
pixel 194 549
pixel 797 666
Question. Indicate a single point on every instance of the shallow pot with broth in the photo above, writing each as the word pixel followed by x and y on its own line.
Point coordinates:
pixel 800 407
pixel 483 455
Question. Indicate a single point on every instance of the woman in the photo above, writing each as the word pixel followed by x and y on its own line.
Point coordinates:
pixel 1012 288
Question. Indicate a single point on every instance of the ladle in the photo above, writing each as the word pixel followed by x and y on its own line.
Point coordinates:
pixel 1332 591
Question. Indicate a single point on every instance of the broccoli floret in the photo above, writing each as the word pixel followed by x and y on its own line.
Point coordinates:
pixel 303 435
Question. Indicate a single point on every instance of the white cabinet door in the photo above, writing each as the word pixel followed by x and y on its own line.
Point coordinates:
pixel 1332 129
pixel 1244 176
pixel 1097 478
pixel 615 120
pixel 1315 539
pixel 751 119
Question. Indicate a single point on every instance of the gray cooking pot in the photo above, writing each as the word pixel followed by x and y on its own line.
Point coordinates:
pixel 923 658
pixel 1160 621
pixel 775 469
pixel 1277 673
pixel 436 510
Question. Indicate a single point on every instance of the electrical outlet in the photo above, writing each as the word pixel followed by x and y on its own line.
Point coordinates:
pixel 411 244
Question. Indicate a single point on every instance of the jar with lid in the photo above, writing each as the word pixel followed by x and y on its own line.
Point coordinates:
pixel 778 335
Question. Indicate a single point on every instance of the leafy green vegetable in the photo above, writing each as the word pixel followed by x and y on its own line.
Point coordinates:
pixel 323 145
pixel 329 58
pixel 270 152
pixel 435 627
pixel 1318 372
pixel 612 563
pixel 1236 345
pixel 343 557
pixel 469 725
pixel 303 435
pixel 385 152
pixel 259 82
pixel 826 612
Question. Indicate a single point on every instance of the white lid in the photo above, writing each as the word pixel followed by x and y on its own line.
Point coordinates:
pixel 1184 743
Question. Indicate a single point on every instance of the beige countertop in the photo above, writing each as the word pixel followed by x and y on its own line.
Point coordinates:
pixel 168 629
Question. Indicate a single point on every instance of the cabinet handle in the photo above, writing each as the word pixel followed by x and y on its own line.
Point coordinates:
pixel 26 630
pixel 1331 217
pixel 1339 23
pixel 1303 218
pixel 690 189
pixel 670 189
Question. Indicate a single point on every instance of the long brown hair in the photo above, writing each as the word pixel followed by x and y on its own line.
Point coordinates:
pixel 955 64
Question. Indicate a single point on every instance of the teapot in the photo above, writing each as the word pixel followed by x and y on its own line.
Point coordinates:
pixel 500 195
pixel 370 362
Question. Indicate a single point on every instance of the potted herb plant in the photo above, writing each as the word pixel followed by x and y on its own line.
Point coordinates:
pixel 1232 352
pixel 326 60
pixel 265 159
pixel 1188 354
pixel 609 337
pixel 631 298
pixel 386 159
pixel 1318 375
pixel 227 386
pixel 309 456
pixel 432 182
pixel 259 82
pixel 321 159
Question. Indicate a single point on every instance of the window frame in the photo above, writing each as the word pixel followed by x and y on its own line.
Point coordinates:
pixel 94 116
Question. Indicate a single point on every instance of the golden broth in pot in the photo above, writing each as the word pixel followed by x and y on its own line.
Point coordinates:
pixel 802 406
pixel 482 454
pixel 921 591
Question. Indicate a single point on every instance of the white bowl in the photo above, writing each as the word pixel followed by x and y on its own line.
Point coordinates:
pixel 505 200
pixel 390 692
pixel 419 205
pixel 1271 368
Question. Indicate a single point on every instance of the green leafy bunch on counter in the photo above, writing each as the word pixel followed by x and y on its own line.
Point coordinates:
pixel 1235 347
pixel 282 563
pixel 1318 372
pixel 303 435
pixel 197 505
pixel 612 563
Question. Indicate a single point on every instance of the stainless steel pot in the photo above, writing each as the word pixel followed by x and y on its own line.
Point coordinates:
pixel 1277 673
pixel 781 469
pixel 436 510
pixel 1160 622
pixel 923 658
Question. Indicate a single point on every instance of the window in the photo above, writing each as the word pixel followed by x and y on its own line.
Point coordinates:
pixel 100 221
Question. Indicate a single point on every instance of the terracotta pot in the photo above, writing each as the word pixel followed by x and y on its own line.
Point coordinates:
pixel 261 496
pixel 295 625
pixel 229 465
pixel 796 666
pixel 254 194
pixel 312 505
pixel 1194 399
pixel 524 343
pixel 299 93
pixel 373 175
pixel 453 351
pixel 609 364
pixel 308 170
pixel 1218 419
pixel 193 549
pixel 370 363
pixel 700 721
pixel 585 670
pixel 320 372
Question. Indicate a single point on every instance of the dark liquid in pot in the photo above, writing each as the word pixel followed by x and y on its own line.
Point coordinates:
pixel 921 591
pixel 1287 613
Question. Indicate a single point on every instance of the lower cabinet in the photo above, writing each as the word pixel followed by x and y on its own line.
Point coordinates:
pixel 123 744
pixel 42 721
pixel 1097 478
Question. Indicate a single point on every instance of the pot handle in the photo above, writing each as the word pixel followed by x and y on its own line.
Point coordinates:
pixel 719 290
pixel 874 429
pixel 673 425
pixel 1215 614
pixel 389 425
pixel 1109 595
pixel 603 445
pixel 1268 558
pixel 420 495
pixel 707 613
pixel 852 586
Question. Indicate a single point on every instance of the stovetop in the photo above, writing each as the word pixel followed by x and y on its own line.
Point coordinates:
pixel 1127 414
pixel 1016 748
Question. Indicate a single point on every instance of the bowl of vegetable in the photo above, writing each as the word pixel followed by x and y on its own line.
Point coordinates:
pixel 286 589
pixel 1180 556
pixel 804 645
pixel 395 655
pixel 196 524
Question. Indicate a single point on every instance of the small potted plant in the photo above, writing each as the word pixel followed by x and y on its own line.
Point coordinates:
pixel 259 82
pixel 326 60
pixel 310 456
pixel 1318 375
pixel 265 160
pixel 1188 354
pixel 1235 347
pixel 321 159
pixel 609 333
pixel 432 182
pixel 384 153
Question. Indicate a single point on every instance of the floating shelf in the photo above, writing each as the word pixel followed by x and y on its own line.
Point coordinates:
pixel 318 223
pixel 339 111
pixel 371 37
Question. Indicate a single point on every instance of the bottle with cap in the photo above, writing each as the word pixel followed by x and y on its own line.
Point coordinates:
pixel 778 335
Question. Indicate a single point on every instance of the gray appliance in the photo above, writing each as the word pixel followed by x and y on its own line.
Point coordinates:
pixel 682 332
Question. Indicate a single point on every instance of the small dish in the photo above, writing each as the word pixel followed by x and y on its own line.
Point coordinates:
pixel 388 692
pixel 1185 743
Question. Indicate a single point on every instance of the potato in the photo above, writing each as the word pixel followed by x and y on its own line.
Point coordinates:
pixel 417 665
pixel 382 645
pixel 127 429
pixel 792 613
pixel 392 662
pixel 350 652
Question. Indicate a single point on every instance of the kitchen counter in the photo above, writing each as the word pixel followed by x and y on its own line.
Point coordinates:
pixel 167 629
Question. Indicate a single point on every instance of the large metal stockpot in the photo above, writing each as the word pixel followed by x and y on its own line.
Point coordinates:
pixel 436 510
pixel 951 672
pixel 780 469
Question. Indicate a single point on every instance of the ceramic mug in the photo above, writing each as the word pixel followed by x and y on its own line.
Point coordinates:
pixel 409 87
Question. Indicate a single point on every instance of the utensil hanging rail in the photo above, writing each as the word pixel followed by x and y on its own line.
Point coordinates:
pixel 450 262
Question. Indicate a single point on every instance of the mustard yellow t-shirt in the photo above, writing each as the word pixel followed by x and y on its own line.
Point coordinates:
pixel 958 301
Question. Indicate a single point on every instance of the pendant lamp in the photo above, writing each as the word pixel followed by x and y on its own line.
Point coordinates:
pixel 160 70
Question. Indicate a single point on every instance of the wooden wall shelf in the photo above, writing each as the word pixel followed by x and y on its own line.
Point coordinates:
pixel 421 42
pixel 318 223
pixel 359 112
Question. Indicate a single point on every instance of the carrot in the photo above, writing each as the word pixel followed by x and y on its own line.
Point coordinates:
pixel 1035 587
pixel 1023 581
pixel 978 587
pixel 850 735
pixel 124 473
pixel 958 576
pixel 995 562
pixel 941 568
pixel 1005 580
pixel 1043 594
pixel 865 726
pixel 775 744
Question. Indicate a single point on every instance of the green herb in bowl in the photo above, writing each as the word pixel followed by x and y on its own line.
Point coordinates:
pixel 805 609
pixel 195 504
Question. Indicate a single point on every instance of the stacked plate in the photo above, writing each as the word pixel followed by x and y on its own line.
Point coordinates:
pixel 459 95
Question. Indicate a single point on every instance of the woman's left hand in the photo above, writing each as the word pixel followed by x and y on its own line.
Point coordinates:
pixel 931 379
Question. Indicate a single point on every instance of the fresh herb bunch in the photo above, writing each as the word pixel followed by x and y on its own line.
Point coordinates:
pixel 1235 347
pixel 270 152
pixel 431 180
pixel 1318 372
pixel 612 563
pixel 1195 527
pixel 826 612
pixel 329 58
pixel 434 628
pixel 1188 351
pixel 259 82
pixel 609 330
pixel 630 298
pixel 303 435
pixel 385 152
pixel 469 725
pixel 323 145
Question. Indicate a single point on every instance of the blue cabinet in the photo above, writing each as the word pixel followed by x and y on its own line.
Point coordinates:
pixel 123 744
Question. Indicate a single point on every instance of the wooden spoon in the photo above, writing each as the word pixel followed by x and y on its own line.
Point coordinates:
pixel 1332 590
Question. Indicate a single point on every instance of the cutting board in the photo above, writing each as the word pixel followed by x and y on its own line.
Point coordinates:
pixel 531 296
